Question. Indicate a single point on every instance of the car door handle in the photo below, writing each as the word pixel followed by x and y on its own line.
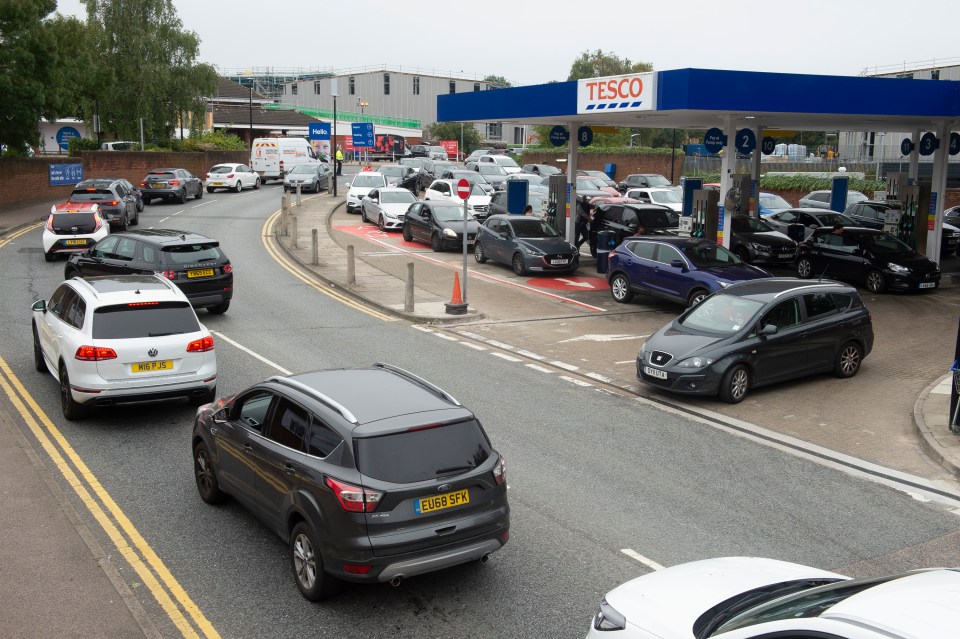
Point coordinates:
pixel 289 469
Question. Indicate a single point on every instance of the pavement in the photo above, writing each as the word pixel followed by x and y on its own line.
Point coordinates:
pixel 46 553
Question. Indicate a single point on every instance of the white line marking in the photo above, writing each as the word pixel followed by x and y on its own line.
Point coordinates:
pixel 574 380
pixel 649 563
pixel 509 358
pixel 164 220
pixel 537 367
pixel 566 367
pixel 531 355
pixel 473 336
pixel 602 338
pixel 423 328
pixel 599 377
pixel 493 342
pixel 202 204
pixel 475 347
pixel 251 353
pixel 450 338
pixel 626 361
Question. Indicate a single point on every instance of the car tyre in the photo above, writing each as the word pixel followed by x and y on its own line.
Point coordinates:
pixel 256 183
pixel 49 257
pixel 124 222
pixel 363 215
pixel 875 281
pixel 735 384
pixel 199 195
pixel 518 265
pixel 696 296
pixel 381 224
pixel 38 361
pixel 183 196
pixel 407 235
pixel 210 189
pixel 146 201
pixel 205 476
pixel 238 187
pixel 72 409
pixel 804 268
pixel 849 359
pixel 307 565
pixel 620 288
pixel 436 244
pixel 478 253
pixel 219 309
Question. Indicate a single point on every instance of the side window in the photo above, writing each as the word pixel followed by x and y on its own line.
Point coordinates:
pixel 643 250
pixel 629 218
pixel 289 425
pixel 788 217
pixel 55 303
pixel 415 209
pixel 121 191
pixel 63 307
pixel 817 304
pixel 253 408
pixel 842 300
pixel 806 219
pixel 323 440
pixel 666 254
pixel 374 194
pixel 75 312
pixel 105 248
pixel 150 254
pixel 126 249
pixel 783 315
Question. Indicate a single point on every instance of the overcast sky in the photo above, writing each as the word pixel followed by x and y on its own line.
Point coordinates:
pixel 536 42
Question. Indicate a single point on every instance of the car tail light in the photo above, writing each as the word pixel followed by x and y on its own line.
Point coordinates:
pixel 135 304
pixel 356 569
pixel 143 184
pixel 200 345
pixel 354 499
pixel 99 221
pixel 113 203
pixel 228 268
pixel 95 353
pixel 170 275
pixel 500 471
pixel 230 176
pixel 50 223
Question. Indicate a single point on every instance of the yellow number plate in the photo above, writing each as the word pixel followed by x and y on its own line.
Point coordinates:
pixel 439 502
pixel 218 184
pixel 75 242
pixel 149 367
pixel 157 185
pixel 205 272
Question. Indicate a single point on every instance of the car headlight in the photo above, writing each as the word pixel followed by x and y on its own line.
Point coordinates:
pixel 695 362
pixel 389 215
pixel 608 618
pixel 763 248
pixel 900 270
pixel 449 232
pixel 532 250
pixel 643 351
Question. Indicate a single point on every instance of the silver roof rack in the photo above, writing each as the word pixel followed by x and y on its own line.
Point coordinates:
pixel 312 392
pixel 418 380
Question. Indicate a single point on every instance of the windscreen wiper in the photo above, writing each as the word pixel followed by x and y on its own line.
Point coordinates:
pixel 454 469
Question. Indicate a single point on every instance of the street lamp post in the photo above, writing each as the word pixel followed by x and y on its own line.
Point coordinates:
pixel 636 135
pixel 336 149
pixel 363 104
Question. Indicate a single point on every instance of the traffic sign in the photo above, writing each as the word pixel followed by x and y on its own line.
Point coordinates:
pixel 463 189
pixel 558 136
pixel 362 133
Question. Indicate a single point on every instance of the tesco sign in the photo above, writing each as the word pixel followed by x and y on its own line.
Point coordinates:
pixel 633 92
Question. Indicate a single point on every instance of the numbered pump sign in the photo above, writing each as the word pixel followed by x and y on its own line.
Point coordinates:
pixel 928 144
pixel 585 136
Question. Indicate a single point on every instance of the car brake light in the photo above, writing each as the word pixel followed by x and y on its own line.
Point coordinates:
pixel 500 471
pixel 113 202
pixel 426 427
pixel 230 176
pixel 228 268
pixel 200 345
pixel 354 499
pixel 144 183
pixel 174 182
pixel 50 223
pixel 95 353
pixel 356 569
pixel 170 275
pixel 143 304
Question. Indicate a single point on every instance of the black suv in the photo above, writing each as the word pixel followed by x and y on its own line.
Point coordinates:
pixel 623 220
pixel 116 198
pixel 171 184
pixel 194 262
pixel 362 491
pixel 419 150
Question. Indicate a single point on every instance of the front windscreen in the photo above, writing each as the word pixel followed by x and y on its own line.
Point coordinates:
pixel 397 197
pixel 492 170
pixel 773 202
pixel 150 319
pixel 392 171
pixel 657 180
pixel 721 314
pixel 503 160
pixel 368 181
pixel 886 244
pixel 303 169
pixel 832 219
pixel 749 225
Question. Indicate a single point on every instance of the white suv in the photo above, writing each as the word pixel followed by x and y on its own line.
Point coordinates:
pixel 122 338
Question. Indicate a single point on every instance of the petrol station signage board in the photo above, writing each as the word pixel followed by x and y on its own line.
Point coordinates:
pixel 617 93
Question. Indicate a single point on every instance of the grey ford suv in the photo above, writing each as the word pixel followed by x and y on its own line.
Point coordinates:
pixel 363 491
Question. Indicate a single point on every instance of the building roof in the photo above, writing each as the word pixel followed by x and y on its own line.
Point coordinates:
pixel 228 90
pixel 239 115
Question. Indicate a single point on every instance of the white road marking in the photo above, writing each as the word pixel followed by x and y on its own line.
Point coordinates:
pixel 626 361
pixel 251 353
pixel 473 336
pixel 531 355
pixel 509 358
pixel 163 220
pixel 493 342
pixel 422 328
pixel 649 563
pixel 572 283
pixel 537 367
pixel 475 347
pixel 450 338
pixel 566 367
pixel 574 380
pixel 202 204
pixel 599 378
pixel 602 338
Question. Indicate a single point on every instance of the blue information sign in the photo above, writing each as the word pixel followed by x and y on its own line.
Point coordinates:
pixel 584 136
pixel 929 143
pixel 362 134
pixel 714 140
pixel 64 134
pixel 65 174
pixel 768 145
pixel 517 196
pixel 319 131
pixel 558 136
pixel 906 146
pixel 746 141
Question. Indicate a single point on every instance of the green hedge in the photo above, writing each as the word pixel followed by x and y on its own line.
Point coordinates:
pixel 561 151
pixel 75 145
pixel 799 182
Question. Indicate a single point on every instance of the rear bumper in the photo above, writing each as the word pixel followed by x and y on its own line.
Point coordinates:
pixel 101 395
pixel 439 561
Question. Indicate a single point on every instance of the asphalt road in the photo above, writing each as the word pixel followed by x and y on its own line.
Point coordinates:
pixel 590 473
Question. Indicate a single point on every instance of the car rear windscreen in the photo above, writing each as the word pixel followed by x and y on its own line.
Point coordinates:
pixel 424 454
pixel 66 222
pixel 192 253
pixel 144 319
pixel 92 195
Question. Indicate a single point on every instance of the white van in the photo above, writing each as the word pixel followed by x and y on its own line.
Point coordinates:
pixel 272 158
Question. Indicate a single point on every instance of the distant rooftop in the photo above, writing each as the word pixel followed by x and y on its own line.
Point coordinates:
pixel 906 67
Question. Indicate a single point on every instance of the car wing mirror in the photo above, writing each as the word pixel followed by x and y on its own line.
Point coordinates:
pixel 769 329
pixel 348 185
pixel 40 306
pixel 678 264
pixel 220 417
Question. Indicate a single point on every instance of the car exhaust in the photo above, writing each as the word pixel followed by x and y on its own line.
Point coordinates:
pixel 395 582
pixel 485 559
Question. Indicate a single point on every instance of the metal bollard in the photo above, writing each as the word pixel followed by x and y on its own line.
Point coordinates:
pixel 351 266
pixel 293 232
pixel 408 290
pixel 315 249
pixel 299 202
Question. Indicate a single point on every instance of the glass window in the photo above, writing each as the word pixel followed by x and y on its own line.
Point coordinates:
pixel 721 314
pixel 316 87
pixel 416 85
pixel 476 86
pixel 75 312
pixel 386 84
pixel 190 253
pixel 842 300
pixel 323 440
pixel 817 304
pixel 494 131
pixel 787 217
pixel 126 249
pixel 666 254
pixel 643 250
pixel 252 411
pixel 289 425
pixel 351 86
pixel 293 89
pixel 55 303
pixel 130 321
pixel 453 86
pixel 707 254
pixel 782 315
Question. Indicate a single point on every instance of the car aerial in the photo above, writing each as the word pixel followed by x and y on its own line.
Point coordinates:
pixel 122 338
pixel 234 177
pixel 643 180
pixel 537 198
pixel 772 203
pixel 493 173
pixel 194 262
pixel 478 204
pixel 657 195
pixel 751 597
pixel 440 224
pixel 379 491
pixel 506 162
pixel 72 227
pixel 755 242
pixel 601 177
pixel 624 219
pixel 872 215
pixel 470 176
pixel 807 219
pixel 877 259
pixel 526 243
pixel 756 333
pixel 541 169
pixel 118 204
pixel 437 153
pixel 171 184
pixel 363 183
pixel 403 176
pixel 680 269
pixel 309 177
pixel 821 199
pixel 386 207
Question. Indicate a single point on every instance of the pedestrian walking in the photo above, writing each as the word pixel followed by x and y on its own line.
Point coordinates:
pixel 339 159
pixel 583 220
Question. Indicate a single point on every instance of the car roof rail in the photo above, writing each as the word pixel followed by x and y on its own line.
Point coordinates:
pixel 419 381
pixel 313 392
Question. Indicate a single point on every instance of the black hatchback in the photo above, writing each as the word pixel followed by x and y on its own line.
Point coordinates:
pixel 440 224
pixel 194 262
pixel 363 491
pixel 625 219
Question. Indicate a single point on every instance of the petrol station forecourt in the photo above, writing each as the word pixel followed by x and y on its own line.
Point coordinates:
pixel 740 106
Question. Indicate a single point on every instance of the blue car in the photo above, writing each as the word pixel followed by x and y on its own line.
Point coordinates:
pixel 682 269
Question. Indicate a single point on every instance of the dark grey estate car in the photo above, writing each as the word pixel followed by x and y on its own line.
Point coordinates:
pixel 363 491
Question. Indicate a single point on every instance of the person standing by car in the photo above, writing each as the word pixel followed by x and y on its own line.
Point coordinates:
pixel 339 159
pixel 528 209
pixel 583 220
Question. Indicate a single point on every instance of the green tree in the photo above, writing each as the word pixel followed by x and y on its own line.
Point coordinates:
pixel 498 81
pixel 40 59
pixel 145 68
pixel 597 64
pixel 451 131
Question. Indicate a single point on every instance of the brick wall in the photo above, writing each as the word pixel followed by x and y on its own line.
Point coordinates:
pixel 26 180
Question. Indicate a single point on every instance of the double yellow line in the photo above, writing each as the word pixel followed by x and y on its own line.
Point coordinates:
pixel 17 234
pixel 154 575
pixel 297 272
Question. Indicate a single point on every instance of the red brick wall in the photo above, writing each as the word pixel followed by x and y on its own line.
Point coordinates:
pixel 27 180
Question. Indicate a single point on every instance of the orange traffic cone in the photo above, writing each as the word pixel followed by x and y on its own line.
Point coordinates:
pixel 456 305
